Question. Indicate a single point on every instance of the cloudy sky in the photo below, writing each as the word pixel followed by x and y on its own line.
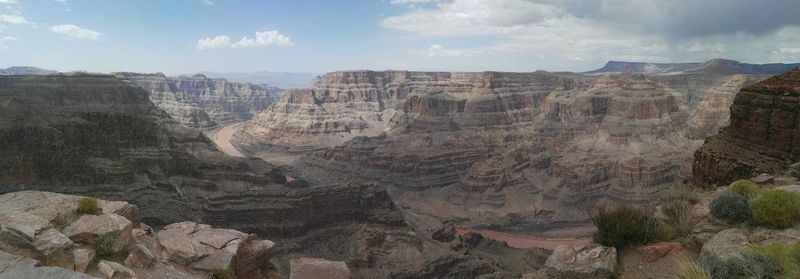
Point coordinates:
pixel 184 36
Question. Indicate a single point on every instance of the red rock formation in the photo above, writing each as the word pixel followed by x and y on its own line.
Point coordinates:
pixel 763 135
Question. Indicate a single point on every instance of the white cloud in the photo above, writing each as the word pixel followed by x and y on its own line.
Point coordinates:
pixel 8 2
pixel 789 50
pixel 208 2
pixel 15 18
pixel 438 50
pixel 262 39
pixel 75 32
pixel 411 2
pixel 62 1
pixel 221 41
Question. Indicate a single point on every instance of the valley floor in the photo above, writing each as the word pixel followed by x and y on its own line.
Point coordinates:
pixel 222 138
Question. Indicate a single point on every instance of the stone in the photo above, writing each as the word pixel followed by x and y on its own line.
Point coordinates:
pixel 89 227
pixel 446 233
pixel 18 230
pixel 582 261
pixel 654 252
pixel 727 244
pixel 52 248
pixel 312 268
pixel 124 209
pixel 763 179
pixel 82 257
pixel 790 188
pixel 16 266
pixel 140 257
pixel 113 270
pixel 179 247
pixel 214 260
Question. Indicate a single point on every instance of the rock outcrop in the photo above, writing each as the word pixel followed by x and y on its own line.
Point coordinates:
pixel 762 136
pixel 37 224
pixel 506 148
pixel 202 102
pixel 582 261
pixel 99 135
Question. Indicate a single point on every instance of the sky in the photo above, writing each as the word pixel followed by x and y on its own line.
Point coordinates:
pixel 187 36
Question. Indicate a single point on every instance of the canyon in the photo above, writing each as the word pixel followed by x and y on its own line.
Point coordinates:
pixel 503 149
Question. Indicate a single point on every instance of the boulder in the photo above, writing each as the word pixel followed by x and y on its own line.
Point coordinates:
pixel 656 251
pixel 90 227
pixel 124 209
pixel 179 247
pixel 726 244
pixel 113 270
pixel 309 268
pixel 582 261
pixel 790 188
pixel 763 179
pixel 81 258
pixel 16 266
pixel 140 256
pixel 52 248
pixel 18 230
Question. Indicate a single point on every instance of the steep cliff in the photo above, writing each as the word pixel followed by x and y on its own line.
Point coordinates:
pixel 763 135
pixel 100 135
pixel 202 102
pixel 507 148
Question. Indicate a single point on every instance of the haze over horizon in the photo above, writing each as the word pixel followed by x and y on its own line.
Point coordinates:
pixel 449 35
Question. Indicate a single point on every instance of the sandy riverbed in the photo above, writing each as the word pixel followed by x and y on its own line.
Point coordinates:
pixel 222 138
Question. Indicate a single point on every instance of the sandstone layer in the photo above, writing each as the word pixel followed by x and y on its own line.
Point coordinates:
pixel 763 135
pixel 100 135
pixel 202 102
pixel 497 148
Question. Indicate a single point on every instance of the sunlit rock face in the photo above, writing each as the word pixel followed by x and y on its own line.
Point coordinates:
pixel 99 135
pixel 762 136
pixel 202 102
pixel 501 148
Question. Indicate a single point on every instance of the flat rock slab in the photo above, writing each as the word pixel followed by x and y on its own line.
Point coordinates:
pixel 310 268
pixel 217 238
pixel 582 261
pixel 89 227
pixel 16 267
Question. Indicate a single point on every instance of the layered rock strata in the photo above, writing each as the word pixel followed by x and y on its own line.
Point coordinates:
pixel 100 135
pixel 202 102
pixel 762 136
pixel 504 148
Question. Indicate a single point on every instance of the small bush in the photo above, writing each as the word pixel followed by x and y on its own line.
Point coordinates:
pixel 104 245
pixel 745 187
pixel 88 205
pixel 717 268
pixel 223 273
pixel 756 266
pixel 786 256
pixel 777 209
pixel 624 226
pixel 689 269
pixel 730 207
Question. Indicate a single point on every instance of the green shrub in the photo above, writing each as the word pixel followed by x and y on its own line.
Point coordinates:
pixel 730 207
pixel 745 187
pixel 777 209
pixel 688 269
pixel 223 273
pixel 624 226
pixel 676 203
pixel 104 244
pixel 786 256
pixel 756 266
pixel 717 268
pixel 794 170
pixel 88 205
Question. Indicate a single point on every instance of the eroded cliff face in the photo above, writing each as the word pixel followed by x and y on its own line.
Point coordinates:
pixel 101 136
pixel 762 137
pixel 508 148
pixel 202 102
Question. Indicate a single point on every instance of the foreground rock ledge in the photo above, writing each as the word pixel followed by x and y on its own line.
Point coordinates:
pixel 43 236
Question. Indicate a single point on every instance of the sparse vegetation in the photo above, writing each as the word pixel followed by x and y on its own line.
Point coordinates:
pixel 731 207
pixel 104 244
pixel 223 273
pixel 717 268
pixel 676 203
pixel 794 170
pixel 689 269
pixel 777 209
pixel 88 205
pixel 786 256
pixel 756 266
pixel 745 187
pixel 624 226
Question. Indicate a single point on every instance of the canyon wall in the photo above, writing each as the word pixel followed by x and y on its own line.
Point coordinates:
pixel 202 102
pixel 100 135
pixel 763 135
pixel 498 148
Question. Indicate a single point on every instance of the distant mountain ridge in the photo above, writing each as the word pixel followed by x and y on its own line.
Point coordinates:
pixel 714 66
pixel 283 80
pixel 26 70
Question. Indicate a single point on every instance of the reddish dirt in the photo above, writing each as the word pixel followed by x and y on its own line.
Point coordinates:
pixel 525 241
